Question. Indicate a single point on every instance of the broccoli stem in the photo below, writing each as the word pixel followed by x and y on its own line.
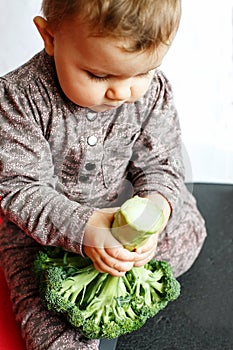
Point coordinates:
pixel 93 289
pixel 66 260
pixel 43 261
pixel 73 286
pixel 102 306
pixel 147 284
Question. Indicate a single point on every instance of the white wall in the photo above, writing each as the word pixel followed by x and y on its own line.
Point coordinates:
pixel 18 36
pixel 199 66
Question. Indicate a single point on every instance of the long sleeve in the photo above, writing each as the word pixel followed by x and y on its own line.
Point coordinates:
pixel 28 185
pixel 157 165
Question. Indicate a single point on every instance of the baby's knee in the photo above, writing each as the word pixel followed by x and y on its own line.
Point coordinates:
pixel 46 331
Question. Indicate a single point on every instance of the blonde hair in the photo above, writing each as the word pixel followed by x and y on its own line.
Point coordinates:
pixel 148 23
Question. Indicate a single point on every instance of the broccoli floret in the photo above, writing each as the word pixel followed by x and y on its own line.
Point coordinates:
pixel 153 287
pixel 101 305
pixel 168 286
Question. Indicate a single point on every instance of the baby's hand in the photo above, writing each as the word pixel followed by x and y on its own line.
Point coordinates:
pixel 106 253
pixel 147 251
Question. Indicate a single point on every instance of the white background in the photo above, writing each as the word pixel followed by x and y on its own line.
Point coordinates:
pixel 199 66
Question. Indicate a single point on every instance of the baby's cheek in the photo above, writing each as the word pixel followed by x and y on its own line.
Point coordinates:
pixel 140 89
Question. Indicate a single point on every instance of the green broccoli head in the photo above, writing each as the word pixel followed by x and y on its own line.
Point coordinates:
pixel 100 305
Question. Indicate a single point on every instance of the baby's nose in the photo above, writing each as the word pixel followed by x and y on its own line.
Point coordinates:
pixel 121 92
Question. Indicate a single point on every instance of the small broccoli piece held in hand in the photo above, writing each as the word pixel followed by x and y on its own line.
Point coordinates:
pixel 136 220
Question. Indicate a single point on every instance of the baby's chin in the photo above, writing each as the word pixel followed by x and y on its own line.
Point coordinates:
pixel 104 107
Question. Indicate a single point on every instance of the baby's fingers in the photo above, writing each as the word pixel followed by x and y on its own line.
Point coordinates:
pixel 106 264
pixel 122 254
pixel 145 259
pixel 150 245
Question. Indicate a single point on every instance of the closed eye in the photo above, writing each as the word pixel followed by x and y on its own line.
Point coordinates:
pixel 97 77
pixel 100 78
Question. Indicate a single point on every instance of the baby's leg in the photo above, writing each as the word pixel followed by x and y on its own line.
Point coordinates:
pixel 183 238
pixel 41 329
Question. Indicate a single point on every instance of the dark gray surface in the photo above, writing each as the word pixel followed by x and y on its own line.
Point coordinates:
pixel 202 317
pixel 108 344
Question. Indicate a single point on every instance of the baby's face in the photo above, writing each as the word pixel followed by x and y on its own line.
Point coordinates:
pixel 95 72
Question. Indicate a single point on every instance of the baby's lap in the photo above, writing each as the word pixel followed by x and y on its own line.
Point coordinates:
pixel 17 250
pixel 180 243
pixel 41 329
pixel 185 217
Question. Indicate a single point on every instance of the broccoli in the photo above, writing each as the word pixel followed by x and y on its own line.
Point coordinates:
pixel 101 305
pixel 56 256
pixel 135 221
pixel 154 286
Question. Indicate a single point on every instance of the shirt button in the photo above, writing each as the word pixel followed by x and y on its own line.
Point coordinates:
pixel 91 116
pixel 90 166
pixel 92 140
pixel 83 178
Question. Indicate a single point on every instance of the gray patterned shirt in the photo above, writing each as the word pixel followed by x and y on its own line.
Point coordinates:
pixel 60 161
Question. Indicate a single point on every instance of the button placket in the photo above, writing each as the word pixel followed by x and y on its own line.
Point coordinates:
pixel 90 166
pixel 92 140
pixel 91 116
pixel 83 178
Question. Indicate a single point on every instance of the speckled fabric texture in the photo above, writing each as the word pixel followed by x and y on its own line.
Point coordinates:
pixel 41 329
pixel 60 161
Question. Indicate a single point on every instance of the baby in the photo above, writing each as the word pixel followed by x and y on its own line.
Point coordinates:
pixel 86 124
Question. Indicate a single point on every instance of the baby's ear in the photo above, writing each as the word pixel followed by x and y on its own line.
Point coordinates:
pixel 46 34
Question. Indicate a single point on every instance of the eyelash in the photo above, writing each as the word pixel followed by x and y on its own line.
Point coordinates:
pixel 96 78
pixel 106 78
